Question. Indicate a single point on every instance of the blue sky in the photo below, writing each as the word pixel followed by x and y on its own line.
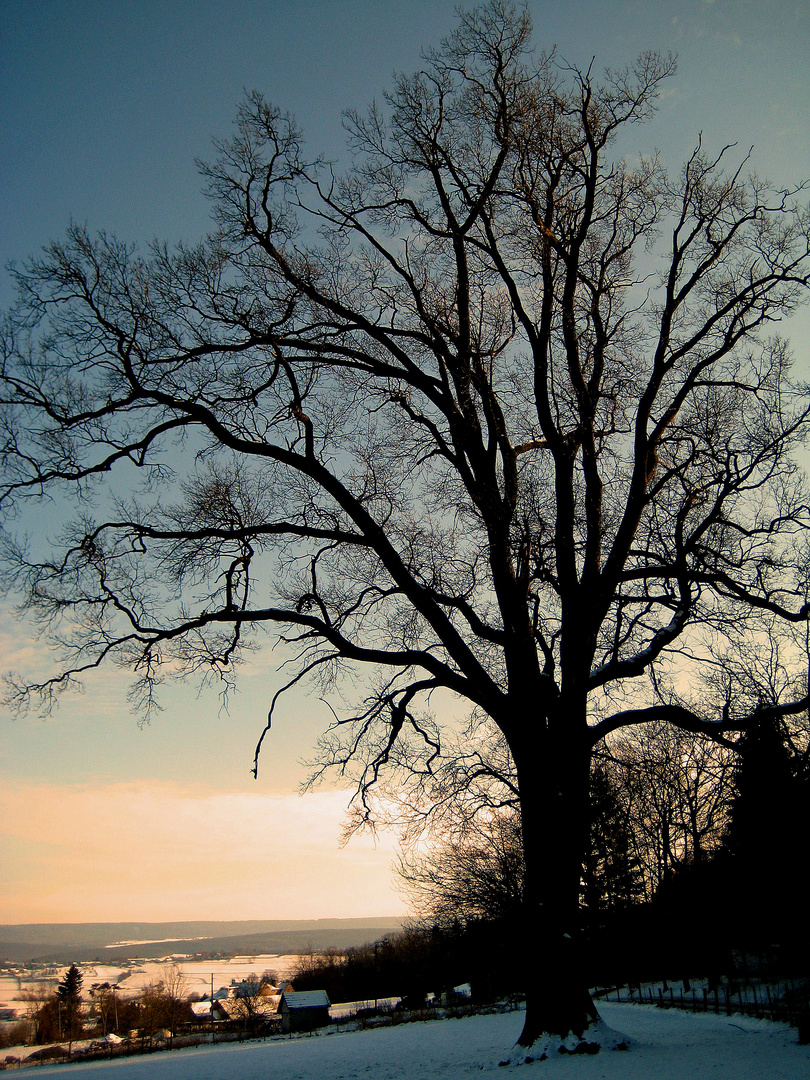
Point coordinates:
pixel 106 104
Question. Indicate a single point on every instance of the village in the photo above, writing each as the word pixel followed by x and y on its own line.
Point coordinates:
pixel 100 1013
pixel 51 1014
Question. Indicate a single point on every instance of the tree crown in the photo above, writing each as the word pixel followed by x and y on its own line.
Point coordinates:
pixel 494 411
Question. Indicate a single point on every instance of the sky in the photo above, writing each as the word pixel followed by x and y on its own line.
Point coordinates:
pixel 106 104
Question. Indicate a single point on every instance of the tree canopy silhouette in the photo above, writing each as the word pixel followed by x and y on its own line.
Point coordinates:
pixel 496 411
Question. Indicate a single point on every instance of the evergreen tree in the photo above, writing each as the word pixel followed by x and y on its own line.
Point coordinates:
pixel 69 996
pixel 766 847
pixel 611 879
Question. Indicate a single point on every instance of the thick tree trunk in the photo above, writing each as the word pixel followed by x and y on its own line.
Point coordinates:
pixel 555 814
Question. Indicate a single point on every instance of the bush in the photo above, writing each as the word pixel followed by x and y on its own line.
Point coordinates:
pixel 13 1034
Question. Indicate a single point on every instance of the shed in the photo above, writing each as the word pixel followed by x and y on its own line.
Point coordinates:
pixel 304 1011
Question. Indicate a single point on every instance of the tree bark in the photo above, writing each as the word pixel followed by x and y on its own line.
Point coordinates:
pixel 553 783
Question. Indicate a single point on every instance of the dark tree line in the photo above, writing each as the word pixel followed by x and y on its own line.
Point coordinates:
pixel 422 960
pixel 694 854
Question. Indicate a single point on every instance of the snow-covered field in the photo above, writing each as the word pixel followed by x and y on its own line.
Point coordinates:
pixel 667 1045
pixel 198 974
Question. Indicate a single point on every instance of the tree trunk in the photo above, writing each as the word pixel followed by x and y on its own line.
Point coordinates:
pixel 555 815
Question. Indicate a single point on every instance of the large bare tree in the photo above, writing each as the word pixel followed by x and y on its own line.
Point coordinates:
pixel 496 412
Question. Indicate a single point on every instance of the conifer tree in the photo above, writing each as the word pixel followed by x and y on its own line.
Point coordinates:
pixel 766 846
pixel 612 878
pixel 69 995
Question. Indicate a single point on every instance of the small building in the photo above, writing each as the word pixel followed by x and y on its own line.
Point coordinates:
pixel 251 1010
pixel 304 1011
pixel 208 1010
pixel 253 988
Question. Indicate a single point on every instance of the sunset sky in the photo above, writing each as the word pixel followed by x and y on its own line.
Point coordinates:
pixel 105 105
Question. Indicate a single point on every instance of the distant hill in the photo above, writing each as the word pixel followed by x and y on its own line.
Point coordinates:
pixel 62 943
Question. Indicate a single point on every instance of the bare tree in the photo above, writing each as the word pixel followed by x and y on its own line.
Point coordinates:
pixel 253 997
pixel 41 1013
pixel 173 987
pixel 675 787
pixel 477 873
pixel 164 1003
pixel 496 412
pixel 105 1001
pixel 461 854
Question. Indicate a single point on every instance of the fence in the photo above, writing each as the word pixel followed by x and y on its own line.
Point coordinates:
pixel 57 1054
pixel 785 1002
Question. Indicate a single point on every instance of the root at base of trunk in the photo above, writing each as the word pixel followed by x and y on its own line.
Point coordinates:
pixel 597 1036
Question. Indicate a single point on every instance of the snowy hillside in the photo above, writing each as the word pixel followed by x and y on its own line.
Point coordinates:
pixel 666 1046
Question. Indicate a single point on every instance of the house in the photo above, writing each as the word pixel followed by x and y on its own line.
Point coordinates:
pixel 304 1011
pixel 253 988
pixel 206 1010
pixel 262 1007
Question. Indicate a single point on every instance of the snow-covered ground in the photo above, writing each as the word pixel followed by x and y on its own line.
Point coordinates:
pixel 667 1045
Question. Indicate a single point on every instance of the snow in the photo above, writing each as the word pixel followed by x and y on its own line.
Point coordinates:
pixel 666 1045
pixel 307 999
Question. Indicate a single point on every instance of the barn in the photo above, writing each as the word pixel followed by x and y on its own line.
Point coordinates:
pixel 304 1011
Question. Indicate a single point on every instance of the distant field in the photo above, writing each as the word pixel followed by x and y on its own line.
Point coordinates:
pixel 113 942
